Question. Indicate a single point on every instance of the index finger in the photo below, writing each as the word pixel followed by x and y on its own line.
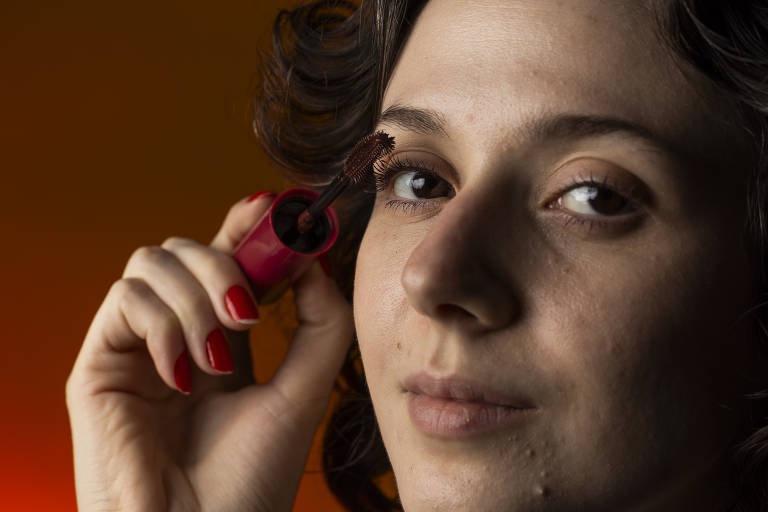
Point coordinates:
pixel 240 219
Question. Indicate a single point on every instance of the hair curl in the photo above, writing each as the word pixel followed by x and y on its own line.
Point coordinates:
pixel 320 91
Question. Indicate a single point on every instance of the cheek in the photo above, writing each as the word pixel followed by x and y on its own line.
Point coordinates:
pixel 378 301
pixel 637 340
pixel 379 308
pixel 664 320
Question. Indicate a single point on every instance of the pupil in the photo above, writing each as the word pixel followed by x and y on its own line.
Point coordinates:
pixel 423 181
pixel 605 201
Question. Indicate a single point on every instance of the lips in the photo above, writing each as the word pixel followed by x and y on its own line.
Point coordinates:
pixel 464 390
pixel 455 408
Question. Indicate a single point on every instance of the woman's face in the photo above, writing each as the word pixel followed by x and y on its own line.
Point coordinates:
pixel 577 253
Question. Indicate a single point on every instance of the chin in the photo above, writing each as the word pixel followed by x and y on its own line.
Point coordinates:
pixel 468 489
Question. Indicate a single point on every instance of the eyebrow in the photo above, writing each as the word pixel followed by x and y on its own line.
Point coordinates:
pixel 555 126
pixel 418 120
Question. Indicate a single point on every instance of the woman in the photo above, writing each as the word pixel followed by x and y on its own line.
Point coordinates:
pixel 555 291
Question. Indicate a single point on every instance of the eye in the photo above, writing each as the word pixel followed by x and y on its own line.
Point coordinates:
pixel 593 199
pixel 592 203
pixel 417 185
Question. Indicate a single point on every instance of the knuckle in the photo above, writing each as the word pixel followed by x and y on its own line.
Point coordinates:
pixel 212 260
pixel 217 260
pixel 129 290
pixel 149 254
pixel 200 304
pixel 128 286
pixel 173 242
pixel 166 325
pixel 338 323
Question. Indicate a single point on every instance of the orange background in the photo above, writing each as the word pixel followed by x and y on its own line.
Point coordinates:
pixel 121 124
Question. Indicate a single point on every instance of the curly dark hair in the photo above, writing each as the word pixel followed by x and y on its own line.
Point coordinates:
pixel 320 91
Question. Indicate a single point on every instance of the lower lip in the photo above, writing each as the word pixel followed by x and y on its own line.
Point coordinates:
pixel 442 417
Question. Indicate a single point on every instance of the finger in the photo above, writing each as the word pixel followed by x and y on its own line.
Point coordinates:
pixel 321 340
pixel 240 219
pixel 133 318
pixel 184 294
pixel 223 280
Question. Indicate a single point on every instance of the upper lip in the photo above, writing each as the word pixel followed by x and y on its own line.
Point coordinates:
pixel 465 390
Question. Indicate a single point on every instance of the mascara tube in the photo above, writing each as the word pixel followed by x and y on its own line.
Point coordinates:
pixel 273 254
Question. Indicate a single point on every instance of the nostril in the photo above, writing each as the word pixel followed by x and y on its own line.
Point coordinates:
pixel 448 310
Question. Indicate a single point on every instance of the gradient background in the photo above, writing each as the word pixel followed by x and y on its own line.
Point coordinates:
pixel 123 123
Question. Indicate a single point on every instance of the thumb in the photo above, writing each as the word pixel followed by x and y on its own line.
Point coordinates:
pixel 240 219
pixel 321 340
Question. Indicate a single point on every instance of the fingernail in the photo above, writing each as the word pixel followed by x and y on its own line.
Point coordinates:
pixel 218 352
pixel 259 194
pixel 181 373
pixel 240 305
pixel 324 263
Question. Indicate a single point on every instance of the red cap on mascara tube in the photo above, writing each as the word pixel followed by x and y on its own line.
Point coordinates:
pixel 270 263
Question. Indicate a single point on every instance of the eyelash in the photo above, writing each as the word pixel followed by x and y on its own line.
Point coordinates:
pixel 384 174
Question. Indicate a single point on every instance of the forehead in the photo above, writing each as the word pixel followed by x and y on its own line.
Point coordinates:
pixel 495 64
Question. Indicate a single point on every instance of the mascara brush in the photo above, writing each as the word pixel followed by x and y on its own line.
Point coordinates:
pixel 356 169
pixel 300 225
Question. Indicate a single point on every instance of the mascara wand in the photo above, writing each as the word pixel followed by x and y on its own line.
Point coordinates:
pixel 356 168
pixel 300 225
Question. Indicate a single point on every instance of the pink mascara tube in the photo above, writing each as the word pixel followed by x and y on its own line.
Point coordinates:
pixel 273 255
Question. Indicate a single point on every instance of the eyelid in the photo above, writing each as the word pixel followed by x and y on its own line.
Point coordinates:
pixel 385 177
pixel 420 154
pixel 630 194
pixel 598 171
pixel 394 164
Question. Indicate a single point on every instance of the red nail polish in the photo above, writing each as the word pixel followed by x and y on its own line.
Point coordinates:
pixel 181 373
pixel 259 194
pixel 218 351
pixel 324 263
pixel 240 305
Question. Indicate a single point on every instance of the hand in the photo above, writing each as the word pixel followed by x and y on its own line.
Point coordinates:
pixel 232 444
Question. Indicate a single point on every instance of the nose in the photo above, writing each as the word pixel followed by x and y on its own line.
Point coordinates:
pixel 460 272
